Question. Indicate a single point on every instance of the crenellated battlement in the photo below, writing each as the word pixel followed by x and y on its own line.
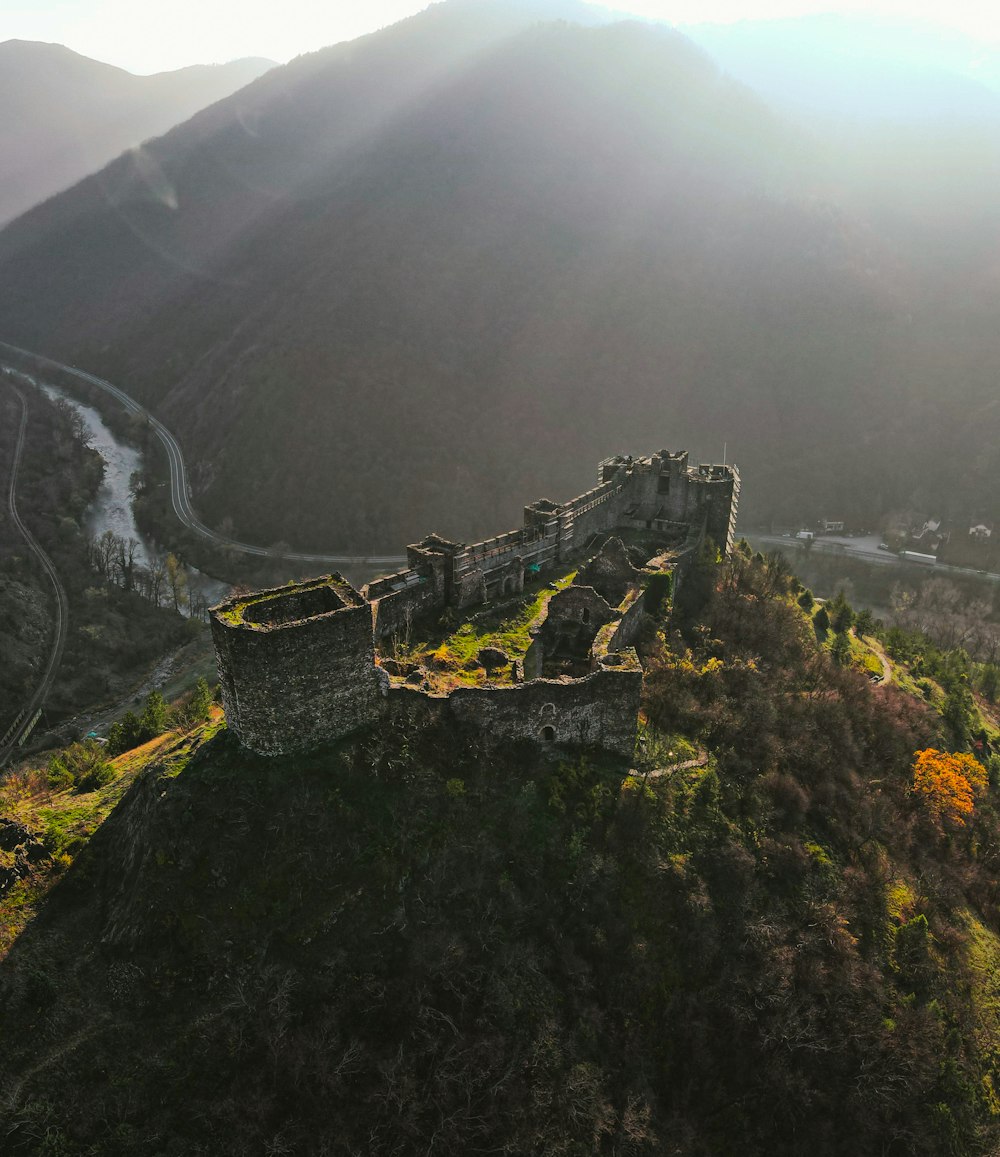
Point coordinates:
pixel 298 665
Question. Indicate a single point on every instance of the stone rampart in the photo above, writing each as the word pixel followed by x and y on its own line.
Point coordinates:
pixel 598 711
pixel 396 610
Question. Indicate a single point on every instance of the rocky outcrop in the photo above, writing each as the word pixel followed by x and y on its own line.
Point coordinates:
pixel 20 852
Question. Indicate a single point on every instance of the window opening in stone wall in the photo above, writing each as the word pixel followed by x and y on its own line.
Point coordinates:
pixel 548 734
pixel 585 616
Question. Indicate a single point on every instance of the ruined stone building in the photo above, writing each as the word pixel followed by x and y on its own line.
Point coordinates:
pixel 299 665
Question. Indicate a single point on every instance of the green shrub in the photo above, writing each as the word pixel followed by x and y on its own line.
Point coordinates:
pixel 59 774
pixel 98 776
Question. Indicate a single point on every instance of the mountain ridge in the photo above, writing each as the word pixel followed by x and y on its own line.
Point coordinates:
pixel 450 250
pixel 65 115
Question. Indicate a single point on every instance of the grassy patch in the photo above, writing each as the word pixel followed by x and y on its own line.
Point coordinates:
pixel 983 957
pixel 865 658
pixel 65 821
pixel 662 749
pixel 448 659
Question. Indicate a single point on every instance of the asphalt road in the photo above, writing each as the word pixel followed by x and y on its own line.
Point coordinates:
pixel 865 549
pixel 26 716
pixel 180 494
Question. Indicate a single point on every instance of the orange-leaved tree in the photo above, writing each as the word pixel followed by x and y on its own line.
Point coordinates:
pixel 948 783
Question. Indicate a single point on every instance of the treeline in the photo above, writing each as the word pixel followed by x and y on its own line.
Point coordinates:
pixel 940 636
pixel 86 766
pixel 953 611
pixel 163 580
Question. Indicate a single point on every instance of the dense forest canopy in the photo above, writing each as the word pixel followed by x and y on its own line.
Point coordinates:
pixel 776 933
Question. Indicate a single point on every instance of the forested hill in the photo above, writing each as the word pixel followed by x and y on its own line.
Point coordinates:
pixel 64 116
pixel 412 281
pixel 772 937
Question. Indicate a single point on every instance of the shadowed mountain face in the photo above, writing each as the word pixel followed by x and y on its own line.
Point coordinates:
pixel 63 115
pixel 409 282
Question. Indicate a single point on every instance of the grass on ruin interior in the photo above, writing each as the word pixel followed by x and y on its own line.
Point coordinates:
pixel 449 657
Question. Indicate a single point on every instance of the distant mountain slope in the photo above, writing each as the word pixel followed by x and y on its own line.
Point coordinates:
pixel 63 116
pixel 859 65
pixel 407 282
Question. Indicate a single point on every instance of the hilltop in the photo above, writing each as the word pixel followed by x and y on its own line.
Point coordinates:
pixel 756 940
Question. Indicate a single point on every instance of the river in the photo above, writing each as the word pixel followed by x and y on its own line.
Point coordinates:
pixel 112 505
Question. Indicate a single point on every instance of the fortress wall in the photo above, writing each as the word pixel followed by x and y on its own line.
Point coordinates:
pixel 388 583
pixel 598 710
pixel 505 579
pixel 394 612
pixel 576 505
pixel 601 710
pixel 500 544
pixel 539 549
pixel 598 516
pixel 469 588
pixel 296 685
pixel 631 609
pixel 500 554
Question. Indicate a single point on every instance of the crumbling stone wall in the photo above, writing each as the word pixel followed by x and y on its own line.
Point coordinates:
pixel 566 627
pixel 610 572
pixel 622 631
pixel 396 607
pixel 598 711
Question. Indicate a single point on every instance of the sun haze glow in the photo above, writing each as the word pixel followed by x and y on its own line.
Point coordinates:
pixel 151 36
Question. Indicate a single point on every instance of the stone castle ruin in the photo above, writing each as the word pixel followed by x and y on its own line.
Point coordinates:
pixel 308 663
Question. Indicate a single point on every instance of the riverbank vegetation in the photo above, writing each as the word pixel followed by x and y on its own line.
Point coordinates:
pixel 114 634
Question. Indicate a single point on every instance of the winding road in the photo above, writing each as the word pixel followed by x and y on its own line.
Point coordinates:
pixel 25 720
pixel 180 494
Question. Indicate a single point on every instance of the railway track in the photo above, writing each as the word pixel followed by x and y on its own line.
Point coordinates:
pixel 29 713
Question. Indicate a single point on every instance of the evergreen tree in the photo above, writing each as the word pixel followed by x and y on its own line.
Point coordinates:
pixel 154 716
pixel 841 615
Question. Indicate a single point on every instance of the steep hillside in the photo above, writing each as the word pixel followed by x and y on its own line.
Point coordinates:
pixel 374 287
pixel 113 636
pixel 759 942
pixel 63 116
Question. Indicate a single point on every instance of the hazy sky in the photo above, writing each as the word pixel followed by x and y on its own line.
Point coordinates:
pixel 150 35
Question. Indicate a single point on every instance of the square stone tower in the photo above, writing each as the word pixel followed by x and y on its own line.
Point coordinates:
pixel 296 664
